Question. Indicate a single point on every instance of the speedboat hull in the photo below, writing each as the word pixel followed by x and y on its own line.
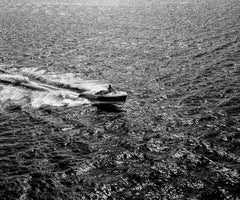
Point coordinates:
pixel 111 98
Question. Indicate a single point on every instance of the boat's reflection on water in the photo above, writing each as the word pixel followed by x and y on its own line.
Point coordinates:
pixel 108 107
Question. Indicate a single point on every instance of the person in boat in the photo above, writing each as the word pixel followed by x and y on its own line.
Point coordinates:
pixel 110 89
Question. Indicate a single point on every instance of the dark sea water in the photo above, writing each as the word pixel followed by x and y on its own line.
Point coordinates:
pixel 177 136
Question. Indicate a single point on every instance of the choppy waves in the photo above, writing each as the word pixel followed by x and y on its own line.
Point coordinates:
pixel 177 136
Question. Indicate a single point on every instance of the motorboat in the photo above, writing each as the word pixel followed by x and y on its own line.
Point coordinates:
pixel 105 97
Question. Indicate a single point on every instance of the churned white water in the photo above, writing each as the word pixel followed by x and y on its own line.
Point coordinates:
pixel 12 92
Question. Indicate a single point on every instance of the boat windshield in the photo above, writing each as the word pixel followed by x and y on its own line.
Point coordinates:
pixel 102 92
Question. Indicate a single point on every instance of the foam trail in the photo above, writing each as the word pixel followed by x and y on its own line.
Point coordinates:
pixel 70 81
pixel 23 91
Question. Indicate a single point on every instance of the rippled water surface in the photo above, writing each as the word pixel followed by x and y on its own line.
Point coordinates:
pixel 177 136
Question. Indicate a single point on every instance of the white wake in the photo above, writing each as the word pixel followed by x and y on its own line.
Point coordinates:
pixel 37 88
